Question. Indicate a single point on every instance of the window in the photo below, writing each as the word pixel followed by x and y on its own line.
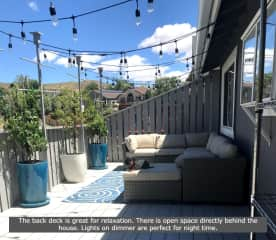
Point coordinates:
pixel 250 67
pixel 228 95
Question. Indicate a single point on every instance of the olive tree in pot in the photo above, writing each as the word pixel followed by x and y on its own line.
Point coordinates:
pixel 22 122
pixel 67 112
pixel 97 131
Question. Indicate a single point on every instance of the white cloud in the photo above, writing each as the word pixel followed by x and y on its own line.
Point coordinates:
pixel 33 5
pixel 249 58
pixel 51 56
pixel 169 32
pixel 88 61
pixel 136 73
pixel 183 75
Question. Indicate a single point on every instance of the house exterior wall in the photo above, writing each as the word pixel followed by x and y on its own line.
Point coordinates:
pixel 244 136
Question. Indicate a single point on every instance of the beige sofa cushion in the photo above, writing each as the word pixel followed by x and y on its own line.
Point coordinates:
pixel 169 151
pixel 194 153
pixel 146 140
pixel 131 143
pixel 196 139
pixel 145 152
pixel 159 172
pixel 170 141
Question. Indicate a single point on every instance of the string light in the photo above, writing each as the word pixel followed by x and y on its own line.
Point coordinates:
pixel 85 73
pixel 127 76
pixel 187 64
pixel 161 51
pixel 121 60
pixel 74 29
pixel 45 56
pixel 10 43
pixel 193 60
pixel 125 59
pixel 176 49
pixel 137 14
pixel 53 14
pixel 150 6
pixel 69 58
pixel 23 34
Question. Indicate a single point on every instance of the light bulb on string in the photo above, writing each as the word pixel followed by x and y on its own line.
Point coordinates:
pixel 45 56
pixel 187 64
pixel 10 42
pixel 121 60
pixel 85 73
pixel 74 30
pixel 161 51
pixel 158 70
pixel 69 58
pixel 53 14
pixel 150 6
pixel 176 49
pixel 137 14
pixel 193 60
pixel 23 34
pixel 125 59
pixel 127 76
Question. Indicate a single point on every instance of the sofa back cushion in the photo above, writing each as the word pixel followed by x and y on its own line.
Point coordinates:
pixel 131 143
pixel 221 146
pixel 196 139
pixel 146 140
pixel 170 141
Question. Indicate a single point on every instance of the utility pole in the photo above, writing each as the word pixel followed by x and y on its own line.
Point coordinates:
pixel 78 60
pixel 100 69
pixel 36 41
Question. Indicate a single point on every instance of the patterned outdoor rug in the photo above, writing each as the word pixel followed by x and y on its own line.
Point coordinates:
pixel 107 189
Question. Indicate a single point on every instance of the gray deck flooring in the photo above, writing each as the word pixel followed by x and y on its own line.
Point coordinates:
pixel 59 208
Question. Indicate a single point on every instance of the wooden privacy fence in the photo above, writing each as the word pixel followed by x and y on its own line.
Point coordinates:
pixel 59 140
pixel 193 107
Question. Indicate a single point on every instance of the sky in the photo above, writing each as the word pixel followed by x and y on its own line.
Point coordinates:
pixel 110 30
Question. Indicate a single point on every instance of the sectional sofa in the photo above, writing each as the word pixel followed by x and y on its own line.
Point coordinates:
pixel 203 168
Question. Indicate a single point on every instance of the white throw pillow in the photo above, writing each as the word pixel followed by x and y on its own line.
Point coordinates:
pixel 146 140
pixel 131 143
pixel 228 150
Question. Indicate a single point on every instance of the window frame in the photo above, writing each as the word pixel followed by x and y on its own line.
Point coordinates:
pixel 254 25
pixel 231 60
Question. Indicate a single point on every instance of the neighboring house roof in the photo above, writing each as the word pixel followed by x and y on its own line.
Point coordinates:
pixel 110 94
pixel 141 90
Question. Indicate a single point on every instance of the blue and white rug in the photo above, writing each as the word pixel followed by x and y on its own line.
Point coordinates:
pixel 107 189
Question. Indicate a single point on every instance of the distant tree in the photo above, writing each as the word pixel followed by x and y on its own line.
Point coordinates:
pixel 149 94
pixel 91 87
pixel 165 84
pixel 23 81
pixel 120 84
pixel 2 91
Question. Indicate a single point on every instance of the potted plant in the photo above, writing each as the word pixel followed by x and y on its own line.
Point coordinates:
pixel 67 112
pixel 22 122
pixel 97 131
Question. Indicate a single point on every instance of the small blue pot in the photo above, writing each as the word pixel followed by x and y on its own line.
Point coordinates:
pixel 98 153
pixel 32 182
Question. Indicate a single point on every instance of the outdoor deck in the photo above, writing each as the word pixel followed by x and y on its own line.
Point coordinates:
pixel 59 208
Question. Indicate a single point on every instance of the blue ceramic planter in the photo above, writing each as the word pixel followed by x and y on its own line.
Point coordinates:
pixel 98 153
pixel 32 182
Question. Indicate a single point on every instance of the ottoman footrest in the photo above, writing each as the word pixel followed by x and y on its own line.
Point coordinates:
pixel 162 182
